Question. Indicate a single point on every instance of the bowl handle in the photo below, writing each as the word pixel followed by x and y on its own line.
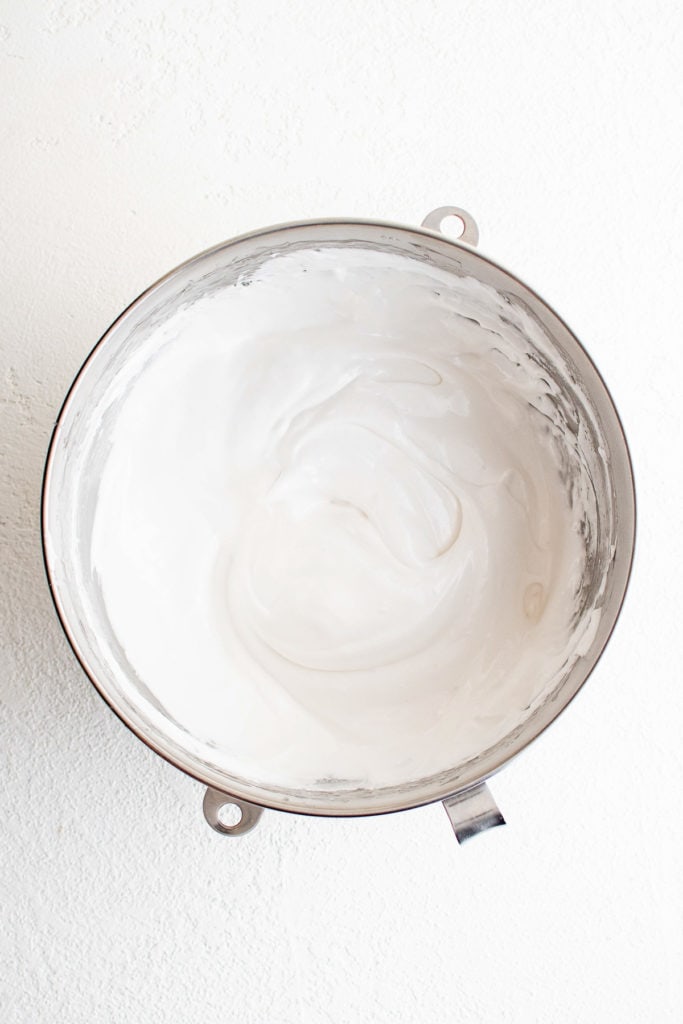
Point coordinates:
pixel 472 812
pixel 470 231
pixel 216 802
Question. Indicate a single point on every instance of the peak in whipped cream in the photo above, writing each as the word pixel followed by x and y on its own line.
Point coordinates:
pixel 340 532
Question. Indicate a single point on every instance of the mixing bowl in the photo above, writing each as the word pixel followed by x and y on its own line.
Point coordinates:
pixel 580 421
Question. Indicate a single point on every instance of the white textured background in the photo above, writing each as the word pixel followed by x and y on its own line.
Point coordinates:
pixel 136 133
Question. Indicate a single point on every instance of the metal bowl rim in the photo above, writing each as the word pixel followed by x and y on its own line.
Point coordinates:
pixel 190 770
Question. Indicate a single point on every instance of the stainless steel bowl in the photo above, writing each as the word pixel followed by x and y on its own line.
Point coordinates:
pixel 69 499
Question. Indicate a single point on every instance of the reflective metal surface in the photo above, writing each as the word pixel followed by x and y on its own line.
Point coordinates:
pixel 472 812
pixel 68 502
pixel 216 804
pixel 470 232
